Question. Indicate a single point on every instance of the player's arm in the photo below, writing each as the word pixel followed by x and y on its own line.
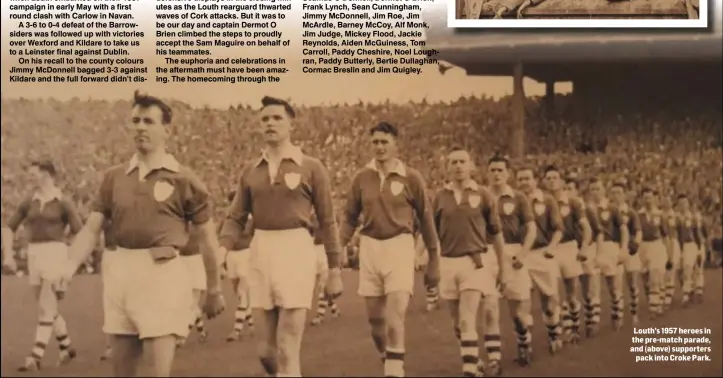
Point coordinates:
pixel 621 222
pixel 636 228
pixel 580 216
pixel 352 211
pixel 528 220
pixel 8 232
pixel 100 210
pixel 237 216
pixel 72 218
pixel 423 211
pixel 494 225
pixel 322 201
pixel 197 209
pixel 555 222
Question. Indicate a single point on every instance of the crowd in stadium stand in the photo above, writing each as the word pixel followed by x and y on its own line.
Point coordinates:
pixel 677 149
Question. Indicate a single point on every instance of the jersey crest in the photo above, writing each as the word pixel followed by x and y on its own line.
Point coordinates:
pixel 162 190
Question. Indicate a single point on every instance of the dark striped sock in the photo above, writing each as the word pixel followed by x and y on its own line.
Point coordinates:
pixel 469 350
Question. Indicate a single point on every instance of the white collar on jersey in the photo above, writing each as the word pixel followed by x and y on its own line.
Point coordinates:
pixel 292 153
pixel 469 184
pixel 53 194
pixel 398 167
pixel 165 161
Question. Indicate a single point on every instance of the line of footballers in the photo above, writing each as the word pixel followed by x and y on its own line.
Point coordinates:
pixel 483 244
pixel 501 243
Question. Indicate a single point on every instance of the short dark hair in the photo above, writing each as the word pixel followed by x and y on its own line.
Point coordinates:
pixel 572 180
pixel 550 168
pixel 274 101
pixel 648 189
pixel 593 180
pixel 145 101
pixel 385 128
pixel 456 149
pixel 499 158
pixel 620 184
pixel 527 168
pixel 46 166
pixel 681 196
pixel 231 196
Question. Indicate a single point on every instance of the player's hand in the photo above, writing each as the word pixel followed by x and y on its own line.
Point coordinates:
pixel 431 276
pixel 334 284
pixel 669 265
pixel 215 304
pixel 699 261
pixel 500 284
pixel 477 260
pixel 10 266
pixel 548 255
pixel 633 248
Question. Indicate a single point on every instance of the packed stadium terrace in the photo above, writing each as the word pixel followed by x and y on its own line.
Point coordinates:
pixel 675 148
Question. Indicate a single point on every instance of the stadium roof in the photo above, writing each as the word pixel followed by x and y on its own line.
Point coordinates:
pixel 492 52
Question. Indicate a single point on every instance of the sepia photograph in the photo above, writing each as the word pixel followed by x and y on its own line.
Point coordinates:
pixel 536 204
pixel 578 13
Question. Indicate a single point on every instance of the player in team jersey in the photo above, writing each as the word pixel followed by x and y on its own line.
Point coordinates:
pixel 655 250
pixel 465 217
pixel 632 266
pixel 390 194
pixel 590 277
pixel 568 254
pixel 280 189
pixel 236 265
pixel 45 215
pixel 614 247
pixel 519 232
pixel 544 270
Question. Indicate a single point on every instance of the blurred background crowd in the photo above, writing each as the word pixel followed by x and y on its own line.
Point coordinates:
pixel 675 149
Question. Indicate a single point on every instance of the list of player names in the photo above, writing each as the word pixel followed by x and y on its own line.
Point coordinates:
pixel 364 37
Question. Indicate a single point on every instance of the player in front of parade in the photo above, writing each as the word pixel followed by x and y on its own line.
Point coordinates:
pixel 544 270
pixel 465 217
pixel 590 277
pixel 279 190
pixel 389 194
pixel 655 250
pixel 149 201
pixel 518 232
pixel 568 254
pixel 632 265
pixel 616 236
pixel 45 214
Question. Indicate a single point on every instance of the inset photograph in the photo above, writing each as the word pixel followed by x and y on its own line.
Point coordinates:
pixel 578 13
